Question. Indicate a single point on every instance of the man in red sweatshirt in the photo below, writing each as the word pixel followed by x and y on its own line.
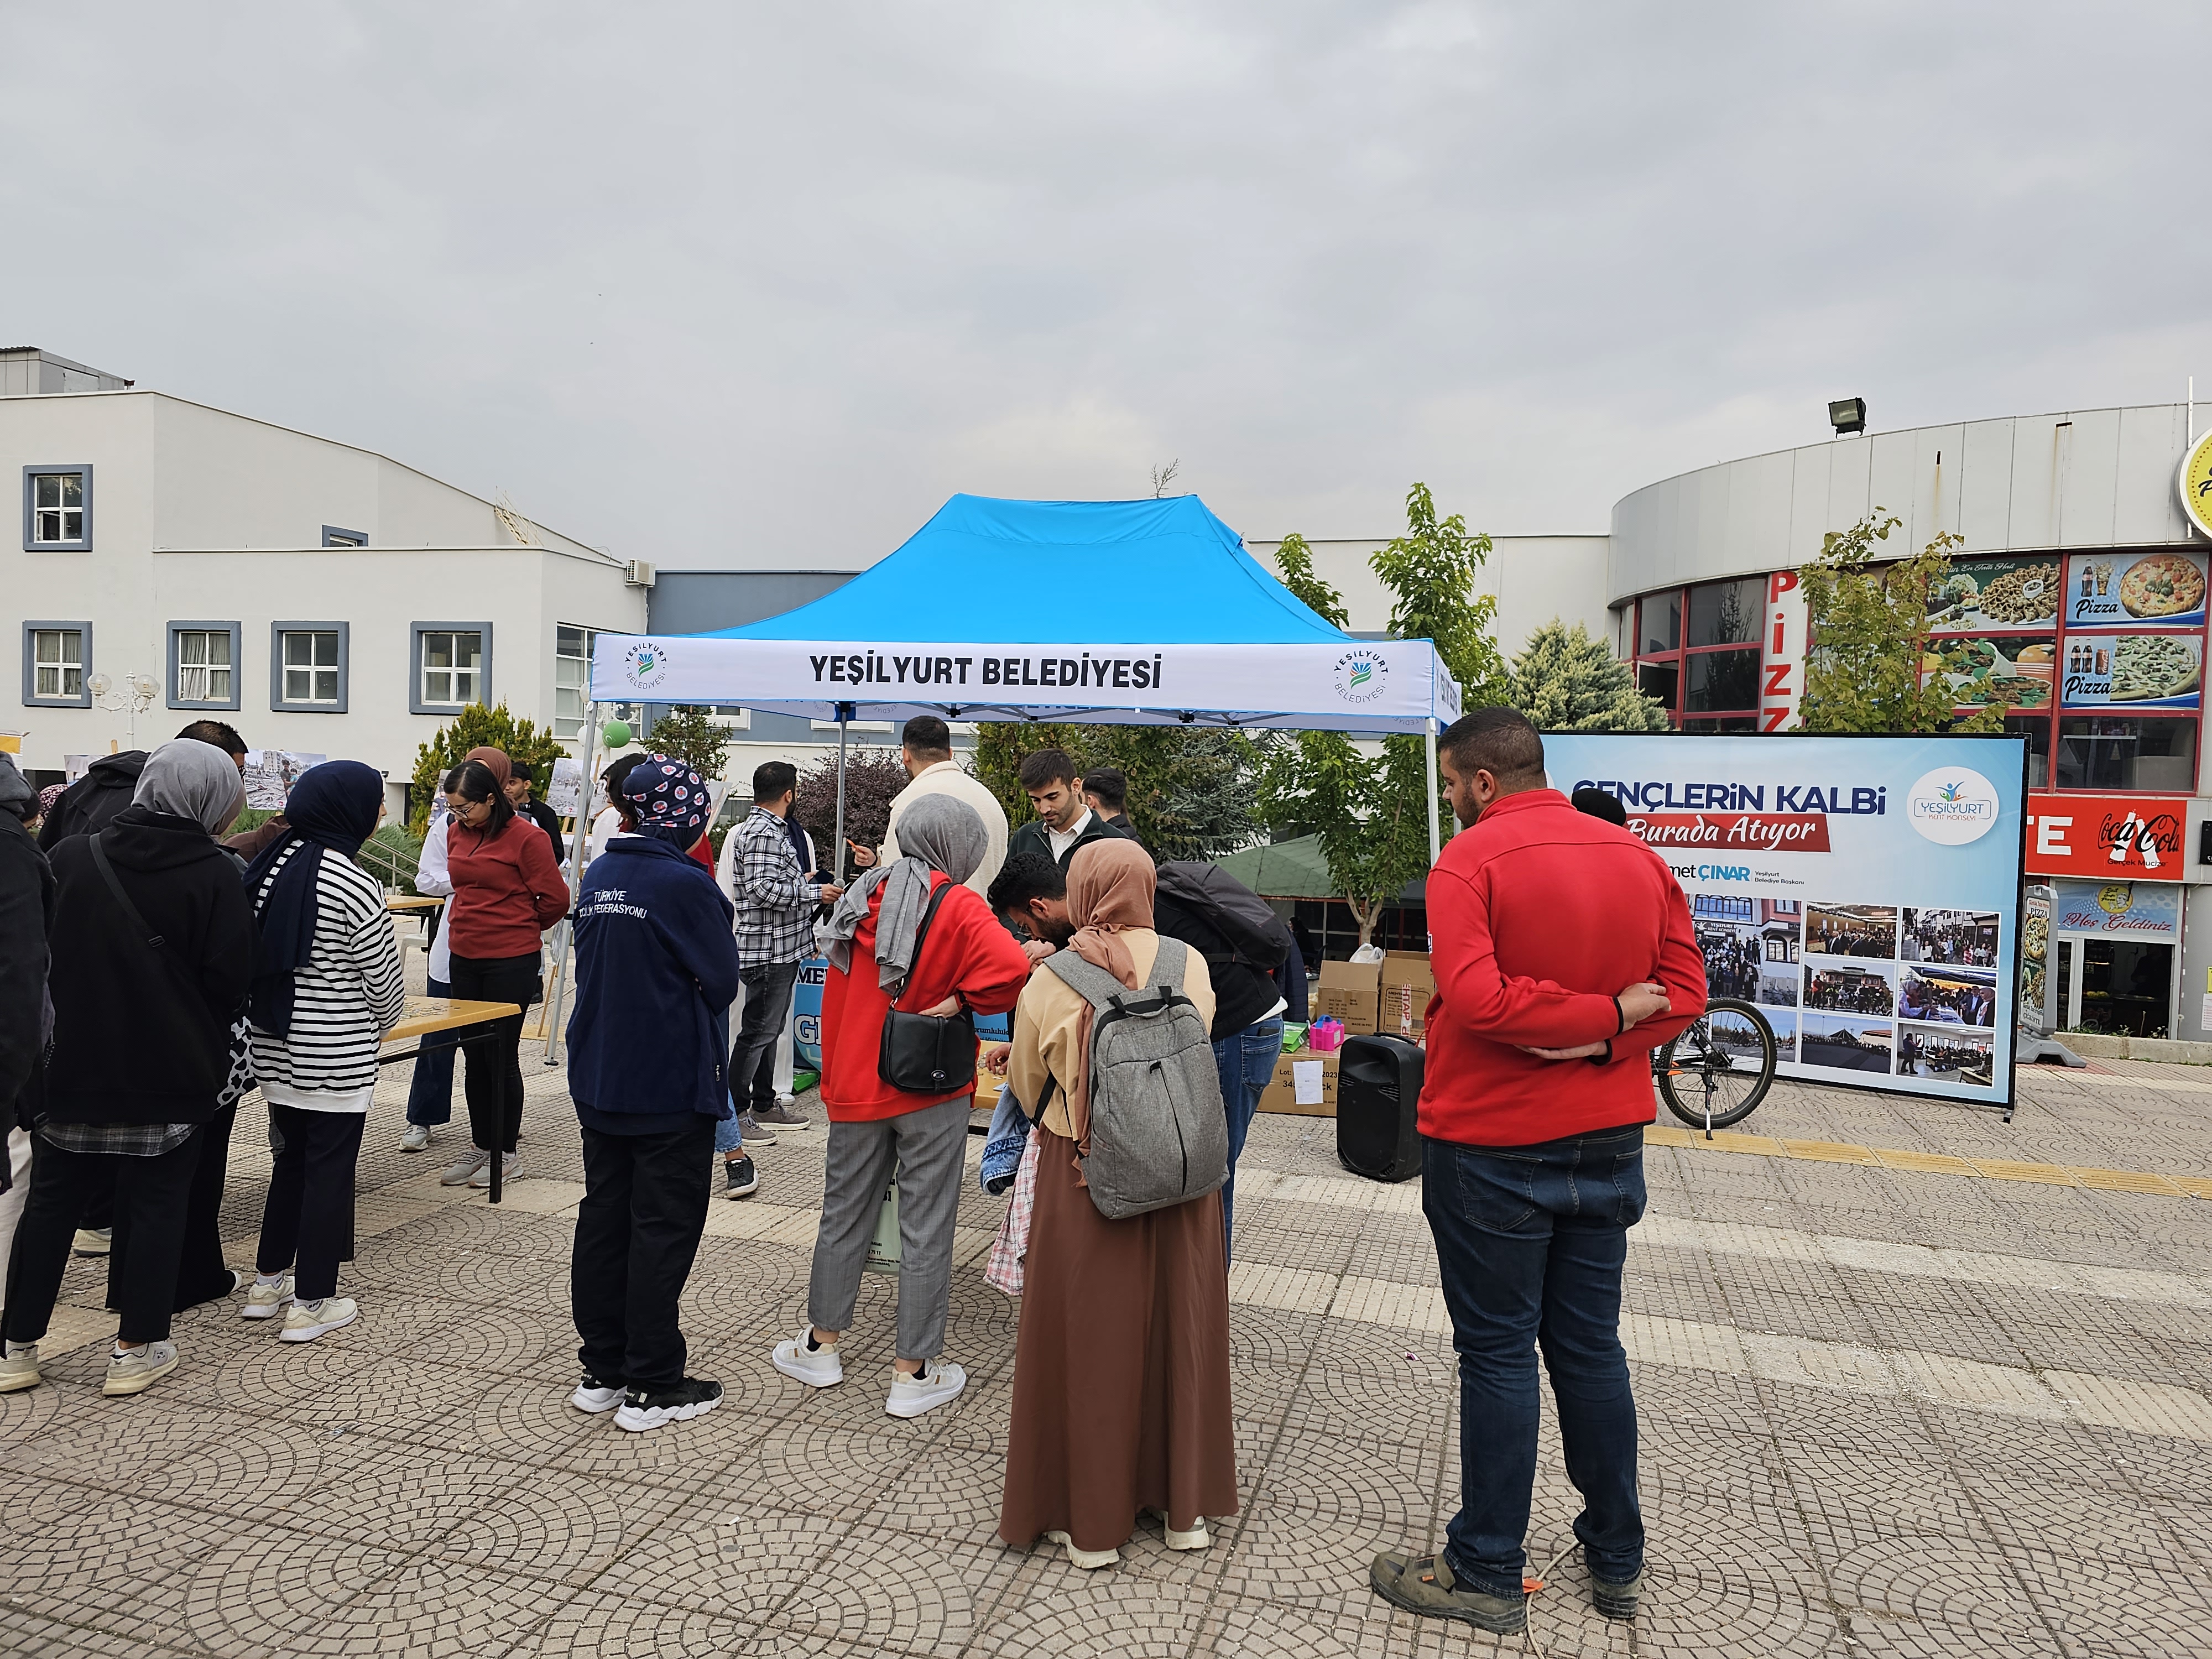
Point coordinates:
pixel 1564 954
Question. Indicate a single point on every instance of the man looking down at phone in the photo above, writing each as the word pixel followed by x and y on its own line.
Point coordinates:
pixel 1564 953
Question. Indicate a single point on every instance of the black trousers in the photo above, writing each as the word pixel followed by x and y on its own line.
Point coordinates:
pixel 637 1233
pixel 494 1082
pixel 752 1055
pixel 202 1273
pixel 306 1224
pixel 151 1196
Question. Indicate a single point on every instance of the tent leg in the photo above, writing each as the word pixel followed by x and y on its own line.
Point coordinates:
pixel 1436 840
pixel 578 839
pixel 844 715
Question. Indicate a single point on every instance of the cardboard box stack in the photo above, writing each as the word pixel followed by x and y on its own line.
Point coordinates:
pixel 1305 1083
pixel 1349 992
pixel 1407 985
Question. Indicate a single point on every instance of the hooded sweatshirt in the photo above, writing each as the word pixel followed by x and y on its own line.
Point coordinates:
pixel 138 1040
pixel 26 910
pixel 93 800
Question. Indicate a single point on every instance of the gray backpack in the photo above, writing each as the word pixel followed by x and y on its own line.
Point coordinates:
pixel 1159 1135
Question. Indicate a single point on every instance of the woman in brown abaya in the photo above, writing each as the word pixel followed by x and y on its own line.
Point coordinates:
pixel 1121 1368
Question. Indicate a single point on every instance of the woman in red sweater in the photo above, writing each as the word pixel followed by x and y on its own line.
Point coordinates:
pixel 879 951
pixel 507 892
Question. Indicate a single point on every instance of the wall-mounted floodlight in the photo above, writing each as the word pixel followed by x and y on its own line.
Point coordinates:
pixel 1847 417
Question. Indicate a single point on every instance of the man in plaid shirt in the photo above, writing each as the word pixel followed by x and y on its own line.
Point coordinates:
pixel 776 902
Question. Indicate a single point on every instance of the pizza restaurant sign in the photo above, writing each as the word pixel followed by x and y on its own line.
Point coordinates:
pixel 2099 837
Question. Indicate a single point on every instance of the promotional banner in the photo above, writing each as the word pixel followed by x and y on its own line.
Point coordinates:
pixel 2142 671
pixel 2120 910
pixel 1991 596
pixel 2009 671
pixel 2035 959
pixel 2101 837
pixel 1863 892
pixel 2148 590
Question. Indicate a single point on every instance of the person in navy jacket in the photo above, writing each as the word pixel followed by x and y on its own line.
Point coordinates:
pixel 656 971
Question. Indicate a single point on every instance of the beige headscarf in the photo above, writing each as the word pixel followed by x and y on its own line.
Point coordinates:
pixel 1109 888
pixel 495 760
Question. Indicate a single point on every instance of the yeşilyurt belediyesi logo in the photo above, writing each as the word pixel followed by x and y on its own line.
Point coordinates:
pixel 1952 806
pixel 1360 676
pixel 645 663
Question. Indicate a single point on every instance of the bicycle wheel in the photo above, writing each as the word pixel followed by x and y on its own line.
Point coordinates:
pixel 1718 1069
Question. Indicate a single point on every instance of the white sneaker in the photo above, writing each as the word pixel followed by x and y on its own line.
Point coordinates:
pixel 306 1320
pixel 818 1368
pixel 934 1385
pixel 267 1301
pixel 594 1396
pixel 19 1367
pixel 481 1178
pixel 457 1173
pixel 1089 1560
pixel 139 1370
pixel 417 1138
pixel 1197 1539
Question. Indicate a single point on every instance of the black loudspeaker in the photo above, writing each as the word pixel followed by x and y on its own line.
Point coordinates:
pixel 1379 1092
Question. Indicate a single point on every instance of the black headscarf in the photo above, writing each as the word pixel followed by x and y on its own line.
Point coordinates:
pixel 333 806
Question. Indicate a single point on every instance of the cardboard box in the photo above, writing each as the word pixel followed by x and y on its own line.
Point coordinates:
pixel 1349 992
pixel 1407 985
pixel 1320 1079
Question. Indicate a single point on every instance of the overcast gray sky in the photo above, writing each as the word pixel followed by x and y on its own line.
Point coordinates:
pixel 762 285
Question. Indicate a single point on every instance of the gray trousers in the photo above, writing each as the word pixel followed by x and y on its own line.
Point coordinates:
pixel 930 1147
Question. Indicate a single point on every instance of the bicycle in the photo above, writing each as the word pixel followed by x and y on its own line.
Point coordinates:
pixel 1714 1072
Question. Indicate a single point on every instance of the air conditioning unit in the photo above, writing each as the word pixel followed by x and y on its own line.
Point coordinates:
pixel 637 574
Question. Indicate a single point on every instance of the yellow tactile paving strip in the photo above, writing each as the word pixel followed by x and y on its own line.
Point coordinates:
pixel 1891 1158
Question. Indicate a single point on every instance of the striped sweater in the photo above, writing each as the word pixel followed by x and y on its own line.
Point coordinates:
pixel 347 996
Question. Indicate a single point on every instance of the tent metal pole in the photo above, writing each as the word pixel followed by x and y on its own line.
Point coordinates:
pixel 577 840
pixel 844 717
pixel 1436 840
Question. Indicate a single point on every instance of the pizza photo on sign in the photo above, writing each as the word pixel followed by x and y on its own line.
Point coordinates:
pixel 2162 586
pixel 2146 667
pixel 2145 590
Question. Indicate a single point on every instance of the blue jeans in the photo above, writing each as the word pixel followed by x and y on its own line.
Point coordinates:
pixel 1531 1241
pixel 729 1133
pixel 430 1095
pixel 1246 1062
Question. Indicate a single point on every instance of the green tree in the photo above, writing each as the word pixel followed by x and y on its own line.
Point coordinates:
pixel 1565 681
pixel 691 736
pixel 475 728
pixel 1868 627
pixel 1190 787
pixel 1431 571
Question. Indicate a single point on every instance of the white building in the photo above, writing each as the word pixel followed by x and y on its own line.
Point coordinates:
pixel 320 597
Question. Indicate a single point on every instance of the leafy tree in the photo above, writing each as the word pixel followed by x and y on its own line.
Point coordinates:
pixel 691 736
pixel 1867 629
pixel 1430 570
pixel 1190 787
pixel 1565 681
pixel 873 778
pixel 476 727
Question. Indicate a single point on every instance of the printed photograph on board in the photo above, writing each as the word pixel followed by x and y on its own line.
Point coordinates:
pixel 1843 1044
pixel 1861 988
pixel 1946 1052
pixel 1949 996
pixel 2142 671
pixel 1967 937
pixel 1784 1022
pixel 2122 590
pixel 1850 930
pixel 2004 672
pixel 1996 595
pixel 270 773
pixel 1734 952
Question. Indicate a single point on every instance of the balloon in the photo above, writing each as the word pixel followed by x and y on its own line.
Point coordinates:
pixel 617 732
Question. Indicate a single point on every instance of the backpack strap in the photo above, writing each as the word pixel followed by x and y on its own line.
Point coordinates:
pixel 920 938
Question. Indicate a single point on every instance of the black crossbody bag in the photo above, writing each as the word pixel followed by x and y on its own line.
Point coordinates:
pixel 239 1055
pixel 927 1054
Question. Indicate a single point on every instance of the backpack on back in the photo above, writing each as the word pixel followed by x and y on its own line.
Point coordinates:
pixel 1240 915
pixel 1159 1135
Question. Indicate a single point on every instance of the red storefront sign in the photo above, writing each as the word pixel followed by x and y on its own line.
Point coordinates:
pixel 2097 837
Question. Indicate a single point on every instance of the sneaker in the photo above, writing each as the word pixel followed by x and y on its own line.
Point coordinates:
pixel 818 1368
pixel 93 1241
pixel 417 1138
pixel 459 1172
pixel 781 1116
pixel 306 1320
pixel 267 1301
pixel 936 1383
pixel 137 1371
pixel 239 1281
pixel 743 1180
pixel 1616 1600
pixel 1089 1560
pixel 692 1397
pixel 1197 1539
pixel 19 1367
pixel 594 1396
pixel 481 1178
pixel 1424 1584
pixel 753 1132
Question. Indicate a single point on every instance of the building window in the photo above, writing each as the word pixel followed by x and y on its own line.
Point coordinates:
pixel 56 657
pixel 572 680
pixel 308 667
pixel 334 537
pixel 203 664
pixel 449 667
pixel 2128 753
pixel 57 509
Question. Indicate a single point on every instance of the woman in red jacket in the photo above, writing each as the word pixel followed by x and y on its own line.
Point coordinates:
pixel 507 892
pixel 879 949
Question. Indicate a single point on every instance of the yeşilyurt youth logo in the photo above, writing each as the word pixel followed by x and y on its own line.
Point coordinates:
pixel 1361 677
pixel 645 663
pixel 1952 806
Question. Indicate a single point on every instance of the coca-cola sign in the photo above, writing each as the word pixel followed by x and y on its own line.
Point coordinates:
pixel 2101 837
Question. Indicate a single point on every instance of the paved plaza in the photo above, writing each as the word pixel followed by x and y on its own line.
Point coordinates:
pixel 1913 1381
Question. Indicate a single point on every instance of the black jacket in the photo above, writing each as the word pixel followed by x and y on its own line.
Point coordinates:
pixel 138 1040
pixel 1030 837
pixel 26 914
pixel 549 821
pixel 1242 993
pixel 92 802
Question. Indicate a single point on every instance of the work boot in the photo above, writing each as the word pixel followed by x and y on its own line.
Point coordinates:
pixel 1423 1584
pixel 1616 1600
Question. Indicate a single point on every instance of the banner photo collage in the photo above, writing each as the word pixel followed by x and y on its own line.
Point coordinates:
pixel 1863 892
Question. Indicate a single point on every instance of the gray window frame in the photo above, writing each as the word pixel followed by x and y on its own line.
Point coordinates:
pixel 358 539
pixel 83 543
pixel 31 700
pixel 446 710
pixel 277 631
pixel 237 633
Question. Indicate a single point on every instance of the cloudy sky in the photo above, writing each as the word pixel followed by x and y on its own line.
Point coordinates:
pixel 743 284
